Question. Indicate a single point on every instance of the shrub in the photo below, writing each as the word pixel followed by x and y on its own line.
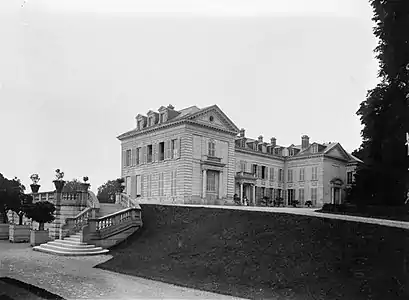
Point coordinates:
pixel 41 212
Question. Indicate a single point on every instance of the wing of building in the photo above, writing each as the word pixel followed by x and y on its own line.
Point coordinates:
pixel 199 156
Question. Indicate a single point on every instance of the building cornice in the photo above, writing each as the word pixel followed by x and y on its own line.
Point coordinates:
pixel 192 122
pixel 258 153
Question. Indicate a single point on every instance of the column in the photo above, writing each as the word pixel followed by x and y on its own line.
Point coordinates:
pixel 221 185
pixel 254 195
pixel 241 193
pixel 204 183
pixel 340 195
pixel 332 195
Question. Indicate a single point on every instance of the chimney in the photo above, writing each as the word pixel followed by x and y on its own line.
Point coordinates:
pixel 242 132
pixel 260 139
pixel 305 142
pixel 273 141
pixel 170 106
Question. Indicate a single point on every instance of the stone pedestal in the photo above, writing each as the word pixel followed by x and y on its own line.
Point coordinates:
pixel 19 233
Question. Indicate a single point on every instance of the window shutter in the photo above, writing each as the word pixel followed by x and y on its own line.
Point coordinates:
pixel 133 187
pixel 259 171
pixel 266 175
pixel 124 158
pixel 133 156
pixel 145 154
pixel 166 150
pixel 177 146
pixel 142 188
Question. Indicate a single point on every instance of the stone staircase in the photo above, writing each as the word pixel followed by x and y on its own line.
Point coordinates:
pixel 99 226
pixel 70 246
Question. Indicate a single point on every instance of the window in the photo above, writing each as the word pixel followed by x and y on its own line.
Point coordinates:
pixel 162 117
pixel 149 155
pixel 349 177
pixel 314 195
pixel 212 150
pixel 150 121
pixel 128 158
pixel 263 172
pixel 314 148
pixel 302 174
pixel 290 176
pixel 161 151
pixel 242 166
pixel 211 181
pixel 149 185
pixel 280 175
pixel 173 183
pixel 272 174
pixel 160 186
pixel 139 125
pixel 211 118
pixel 254 169
pixel 301 195
pixel 314 173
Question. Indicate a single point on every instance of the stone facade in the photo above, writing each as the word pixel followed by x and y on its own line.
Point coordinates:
pixel 200 156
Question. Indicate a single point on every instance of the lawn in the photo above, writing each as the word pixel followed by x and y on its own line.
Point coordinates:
pixel 266 255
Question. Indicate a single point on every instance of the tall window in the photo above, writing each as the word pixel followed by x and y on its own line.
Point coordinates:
pixel 139 125
pixel 173 183
pixel 242 166
pixel 280 175
pixel 160 186
pixel 314 148
pixel 161 151
pixel 314 195
pixel 314 173
pixel 149 185
pixel 302 174
pixel 128 158
pixel 211 181
pixel 272 174
pixel 301 195
pixel 254 171
pixel 290 176
pixel 149 155
pixel 349 178
pixel 212 148
pixel 263 172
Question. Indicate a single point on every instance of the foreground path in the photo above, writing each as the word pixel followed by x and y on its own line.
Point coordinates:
pixel 75 277
pixel 307 212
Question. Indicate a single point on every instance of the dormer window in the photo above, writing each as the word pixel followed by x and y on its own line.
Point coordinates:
pixel 162 118
pixel 314 148
pixel 140 125
pixel 150 121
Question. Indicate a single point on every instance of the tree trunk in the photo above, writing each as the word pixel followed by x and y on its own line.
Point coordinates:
pixel 20 219
pixel 41 226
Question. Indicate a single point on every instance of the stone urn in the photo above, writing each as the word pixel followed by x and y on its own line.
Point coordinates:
pixel 59 185
pixel 85 187
pixel 35 187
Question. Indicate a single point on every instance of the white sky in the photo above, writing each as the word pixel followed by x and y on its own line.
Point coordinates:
pixel 74 74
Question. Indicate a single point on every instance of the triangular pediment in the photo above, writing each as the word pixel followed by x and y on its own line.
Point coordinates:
pixel 338 152
pixel 214 116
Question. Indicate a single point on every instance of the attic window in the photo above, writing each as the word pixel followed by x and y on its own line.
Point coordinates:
pixel 211 118
pixel 314 148
pixel 162 118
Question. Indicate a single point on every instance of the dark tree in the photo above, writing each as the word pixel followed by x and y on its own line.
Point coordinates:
pixel 11 197
pixel 41 212
pixel 385 113
pixel 107 191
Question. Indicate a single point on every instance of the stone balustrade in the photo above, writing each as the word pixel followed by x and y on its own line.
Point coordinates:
pixel 125 201
pixel 75 224
pixel 100 230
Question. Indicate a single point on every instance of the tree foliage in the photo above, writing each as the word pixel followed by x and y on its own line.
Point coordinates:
pixel 385 112
pixel 12 197
pixel 41 212
pixel 107 191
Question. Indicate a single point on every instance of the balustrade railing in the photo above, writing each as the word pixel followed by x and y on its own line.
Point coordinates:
pixel 75 224
pixel 125 201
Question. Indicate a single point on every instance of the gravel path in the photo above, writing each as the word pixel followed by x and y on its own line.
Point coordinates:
pixel 75 277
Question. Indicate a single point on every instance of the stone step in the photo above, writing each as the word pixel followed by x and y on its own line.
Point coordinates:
pixel 72 250
pixel 69 245
pixel 69 253
pixel 70 242
pixel 73 238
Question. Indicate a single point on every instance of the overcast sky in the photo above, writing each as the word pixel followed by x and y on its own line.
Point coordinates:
pixel 75 73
